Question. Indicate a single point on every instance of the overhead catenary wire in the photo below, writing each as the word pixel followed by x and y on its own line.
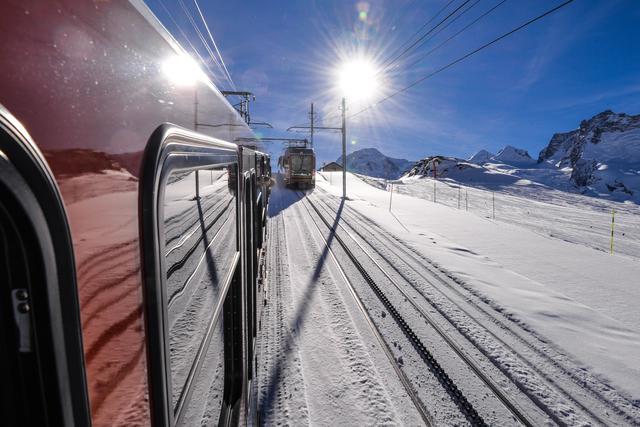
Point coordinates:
pixel 201 36
pixel 463 29
pixel 423 38
pixel 420 29
pixel 388 65
pixel 441 29
pixel 463 57
pixel 202 39
pixel 195 51
pixel 403 43
pixel 224 66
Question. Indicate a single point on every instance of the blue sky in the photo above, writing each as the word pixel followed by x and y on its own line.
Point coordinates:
pixel 575 63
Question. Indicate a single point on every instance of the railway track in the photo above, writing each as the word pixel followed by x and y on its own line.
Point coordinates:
pixel 454 392
pixel 424 414
pixel 575 386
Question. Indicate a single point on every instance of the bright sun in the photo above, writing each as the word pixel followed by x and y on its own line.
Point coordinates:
pixel 358 80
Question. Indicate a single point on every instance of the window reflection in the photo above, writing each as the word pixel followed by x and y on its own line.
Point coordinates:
pixel 199 231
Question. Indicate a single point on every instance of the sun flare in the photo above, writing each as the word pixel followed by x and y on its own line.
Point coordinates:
pixel 358 80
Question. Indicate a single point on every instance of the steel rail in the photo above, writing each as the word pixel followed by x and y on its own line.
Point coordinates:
pixel 511 406
pixel 437 274
pixel 426 417
pixel 450 387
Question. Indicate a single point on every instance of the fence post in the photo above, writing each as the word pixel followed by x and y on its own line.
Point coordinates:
pixel 613 221
pixel 434 191
pixel 493 204
pixel 391 197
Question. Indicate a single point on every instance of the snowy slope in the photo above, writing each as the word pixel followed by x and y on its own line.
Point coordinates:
pixel 371 162
pixel 458 170
pixel 577 298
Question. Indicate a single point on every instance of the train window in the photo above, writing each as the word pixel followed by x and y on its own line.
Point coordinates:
pixel 307 163
pixel 199 223
pixel 195 262
pixel 296 163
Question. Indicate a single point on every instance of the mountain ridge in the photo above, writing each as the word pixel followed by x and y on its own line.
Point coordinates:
pixel 371 162
pixel 600 158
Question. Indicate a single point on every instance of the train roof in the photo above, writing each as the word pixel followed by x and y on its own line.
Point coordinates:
pixel 298 150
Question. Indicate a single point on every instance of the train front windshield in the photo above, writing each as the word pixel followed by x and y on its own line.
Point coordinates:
pixel 302 164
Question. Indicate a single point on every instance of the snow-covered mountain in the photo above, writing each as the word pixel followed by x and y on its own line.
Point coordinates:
pixel 445 167
pixel 371 162
pixel 482 156
pixel 602 155
pixel 601 158
pixel 509 155
pixel 513 156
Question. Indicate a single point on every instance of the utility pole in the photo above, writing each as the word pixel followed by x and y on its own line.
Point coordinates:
pixel 195 128
pixel 312 117
pixel 344 149
pixel 195 109
pixel 342 129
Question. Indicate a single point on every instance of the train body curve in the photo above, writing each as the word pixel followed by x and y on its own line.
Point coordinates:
pixel 117 218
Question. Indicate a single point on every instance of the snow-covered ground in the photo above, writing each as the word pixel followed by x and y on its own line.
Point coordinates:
pixel 509 314
pixel 544 210
pixel 318 361
pixel 582 301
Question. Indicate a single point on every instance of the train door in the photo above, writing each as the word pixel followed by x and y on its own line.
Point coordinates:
pixel 191 232
pixel 41 357
pixel 250 272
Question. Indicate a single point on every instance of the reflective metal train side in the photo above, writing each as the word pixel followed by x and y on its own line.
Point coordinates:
pixel 86 90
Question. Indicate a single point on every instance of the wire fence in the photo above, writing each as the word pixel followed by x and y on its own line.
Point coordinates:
pixel 602 225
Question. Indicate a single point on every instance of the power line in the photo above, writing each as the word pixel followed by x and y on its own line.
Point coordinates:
pixel 195 51
pixel 214 44
pixel 202 38
pixel 425 41
pixel 200 35
pixel 420 29
pixel 408 48
pixel 457 33
pixel 462 58
pixel 430 31
pixel 434 34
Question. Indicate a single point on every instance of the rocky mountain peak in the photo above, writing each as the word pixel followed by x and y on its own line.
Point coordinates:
pixel 482 156
pixel 371 162
pixel 514 156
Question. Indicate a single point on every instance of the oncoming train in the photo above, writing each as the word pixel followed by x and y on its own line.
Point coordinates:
pixel 131 244
pixel 298 163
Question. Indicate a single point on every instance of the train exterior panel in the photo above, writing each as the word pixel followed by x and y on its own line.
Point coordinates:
pixel 86 93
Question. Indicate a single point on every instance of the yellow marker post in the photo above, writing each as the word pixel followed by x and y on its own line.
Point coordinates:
pixel 613 221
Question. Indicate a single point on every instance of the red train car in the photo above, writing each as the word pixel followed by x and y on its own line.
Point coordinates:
pixel 129 247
